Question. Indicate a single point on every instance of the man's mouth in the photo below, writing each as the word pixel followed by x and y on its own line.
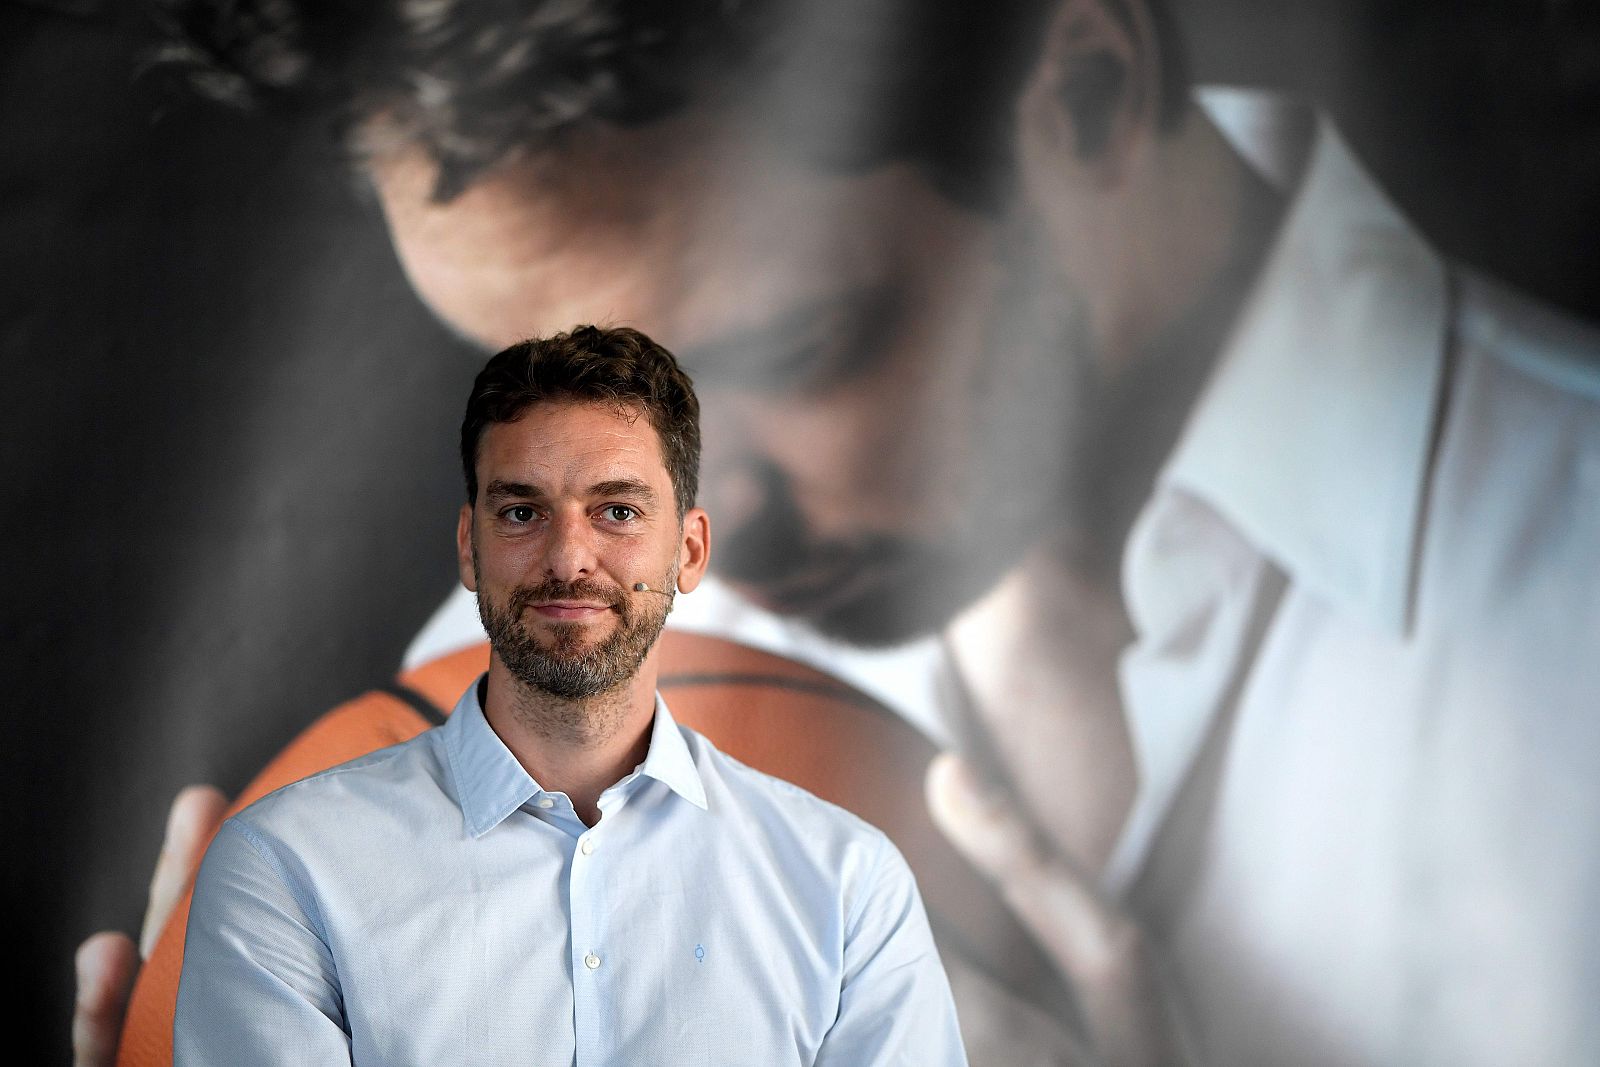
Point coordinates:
pixel 569 610
pixel 567 602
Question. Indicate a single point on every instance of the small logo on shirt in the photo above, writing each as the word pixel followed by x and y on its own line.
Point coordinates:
pixel 699 953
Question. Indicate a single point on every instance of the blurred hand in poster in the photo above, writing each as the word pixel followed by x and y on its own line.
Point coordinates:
pixel 108 961
pixel 1128 1018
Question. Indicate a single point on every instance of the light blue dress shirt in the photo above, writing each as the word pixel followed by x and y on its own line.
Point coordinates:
pixel 431 904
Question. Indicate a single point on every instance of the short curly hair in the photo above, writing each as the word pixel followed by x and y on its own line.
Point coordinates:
pixel 614 365
pixel 476 81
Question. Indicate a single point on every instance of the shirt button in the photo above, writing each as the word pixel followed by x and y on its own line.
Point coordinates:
pixel 546 802
pixel 591 961
pixel 587 847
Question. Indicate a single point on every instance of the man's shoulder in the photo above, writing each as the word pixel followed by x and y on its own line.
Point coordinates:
pixel 781 805
pixel 388 784
pixel 1512 521
pixel 1539 351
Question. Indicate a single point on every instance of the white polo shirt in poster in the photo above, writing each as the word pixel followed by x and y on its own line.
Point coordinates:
pixel 1365 693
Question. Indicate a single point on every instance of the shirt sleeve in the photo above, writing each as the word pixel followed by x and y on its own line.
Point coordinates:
pixel 258 986
pixel 895 1008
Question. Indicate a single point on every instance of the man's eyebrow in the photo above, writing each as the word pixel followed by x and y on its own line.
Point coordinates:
pixel 626 488
pixel 791 346
pixel 499 489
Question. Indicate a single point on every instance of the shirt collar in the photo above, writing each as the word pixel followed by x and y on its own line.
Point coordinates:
pixel 490 783
pixel 1313 435
pixel 669 760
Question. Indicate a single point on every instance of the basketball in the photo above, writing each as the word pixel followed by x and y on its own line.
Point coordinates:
pixel 771 713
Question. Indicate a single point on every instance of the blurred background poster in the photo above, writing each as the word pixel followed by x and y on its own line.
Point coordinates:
pixel 1210 378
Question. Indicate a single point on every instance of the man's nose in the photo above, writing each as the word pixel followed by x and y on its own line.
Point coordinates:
pixel 570 548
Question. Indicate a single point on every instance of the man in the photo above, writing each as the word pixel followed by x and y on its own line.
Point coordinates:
pixel 1168 246
pixel 561 873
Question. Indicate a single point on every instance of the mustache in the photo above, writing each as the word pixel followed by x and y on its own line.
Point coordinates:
pixel 869 589
pixel 553 589
pixel 774 545
pixel 750 557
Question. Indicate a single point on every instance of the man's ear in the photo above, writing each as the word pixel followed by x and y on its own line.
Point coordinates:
pixel 1097 89
pixel 464 548
pixel 694 551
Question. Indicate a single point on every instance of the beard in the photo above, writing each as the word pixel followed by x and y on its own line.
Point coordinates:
pixel 564 665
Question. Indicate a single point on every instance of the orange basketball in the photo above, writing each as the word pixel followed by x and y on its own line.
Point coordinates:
pixel 774 714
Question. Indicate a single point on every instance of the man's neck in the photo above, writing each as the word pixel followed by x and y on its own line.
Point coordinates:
pixel 580 748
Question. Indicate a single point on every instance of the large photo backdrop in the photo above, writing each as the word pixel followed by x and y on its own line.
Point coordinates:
pixel 1187 412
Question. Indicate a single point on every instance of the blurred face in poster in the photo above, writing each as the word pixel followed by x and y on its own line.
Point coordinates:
pixel 815 204
pixel 874 437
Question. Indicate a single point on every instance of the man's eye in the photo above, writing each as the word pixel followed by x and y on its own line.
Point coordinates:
pixel 519 514
pixel 619 513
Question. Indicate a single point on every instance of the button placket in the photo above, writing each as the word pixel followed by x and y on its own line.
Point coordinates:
pixel 586 847
pixel 590 962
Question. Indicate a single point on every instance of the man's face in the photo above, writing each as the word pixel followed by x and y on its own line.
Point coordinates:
pixel 837 327
pixel 574 506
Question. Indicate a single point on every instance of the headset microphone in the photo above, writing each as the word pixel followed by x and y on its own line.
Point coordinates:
pixel 640 587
